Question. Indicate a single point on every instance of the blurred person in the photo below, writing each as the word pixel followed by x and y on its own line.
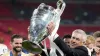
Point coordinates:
pixel 67 39
pixel 96 51
pixel 3 47
pixel 16 43
pixel 77 42
pixel 97 38
pixel 90 44
pixel 97 42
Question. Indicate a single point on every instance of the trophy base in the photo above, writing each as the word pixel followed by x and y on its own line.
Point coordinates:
pixel 31 47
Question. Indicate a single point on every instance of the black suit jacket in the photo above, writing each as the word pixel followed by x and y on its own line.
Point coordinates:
pixel 78 51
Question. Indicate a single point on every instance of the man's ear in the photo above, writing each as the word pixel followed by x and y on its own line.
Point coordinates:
pixel 84 43
pixel 10 43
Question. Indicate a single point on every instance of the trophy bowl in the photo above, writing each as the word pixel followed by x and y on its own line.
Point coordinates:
pixel 31 47
pixel 38 25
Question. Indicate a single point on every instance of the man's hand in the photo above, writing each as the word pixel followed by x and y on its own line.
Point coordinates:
pixel 50 27
pixel 97 49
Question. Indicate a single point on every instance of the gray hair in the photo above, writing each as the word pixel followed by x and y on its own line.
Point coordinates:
pixel 83 34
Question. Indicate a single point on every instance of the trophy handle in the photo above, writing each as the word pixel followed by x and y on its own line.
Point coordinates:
pixel 58 12
pixel 61 6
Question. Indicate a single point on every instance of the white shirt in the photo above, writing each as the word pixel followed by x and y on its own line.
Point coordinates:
pixel 3 49
pixel 89 51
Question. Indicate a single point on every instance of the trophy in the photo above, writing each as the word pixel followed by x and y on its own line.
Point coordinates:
pixel 41 17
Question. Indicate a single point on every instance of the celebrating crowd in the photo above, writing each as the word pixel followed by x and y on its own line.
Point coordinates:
pixel 76 44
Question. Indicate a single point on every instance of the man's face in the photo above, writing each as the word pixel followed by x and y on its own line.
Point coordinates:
pixel 67 41
pixel 90 46
pixel 17 44
pixel 97 42
pixel 76 40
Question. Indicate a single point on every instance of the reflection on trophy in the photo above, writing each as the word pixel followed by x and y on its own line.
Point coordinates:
pixel 41 17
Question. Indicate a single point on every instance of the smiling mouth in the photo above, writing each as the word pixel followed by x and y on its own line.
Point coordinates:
pixel 73 44
pixel 18 48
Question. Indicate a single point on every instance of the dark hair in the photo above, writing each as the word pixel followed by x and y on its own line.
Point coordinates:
pixel 96 34
pixel 15 36
pixel 67 36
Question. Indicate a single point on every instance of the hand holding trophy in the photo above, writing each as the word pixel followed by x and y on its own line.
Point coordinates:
pixel 41 18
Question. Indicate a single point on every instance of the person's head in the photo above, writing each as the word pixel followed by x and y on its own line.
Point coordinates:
pixel 78 38
pixel 1 40
pixel 90 42
pixel 97 38
pixel 67 39
pixel 16 42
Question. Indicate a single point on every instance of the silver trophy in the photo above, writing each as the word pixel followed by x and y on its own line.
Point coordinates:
pixel 41 17
pixel 39 21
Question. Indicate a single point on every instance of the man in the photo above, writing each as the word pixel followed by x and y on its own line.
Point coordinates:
pixel 97 42
pixel 3 47
pixel 97 38
pixel 16 43
pixel 77 42
pixel 67 39
pixel 90 44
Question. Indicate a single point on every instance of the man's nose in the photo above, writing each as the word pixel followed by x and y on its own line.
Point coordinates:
pixel 74 40
pixel 19 44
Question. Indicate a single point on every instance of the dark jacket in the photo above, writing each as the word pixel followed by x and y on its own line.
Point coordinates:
pixel 78 51
pixel 93 53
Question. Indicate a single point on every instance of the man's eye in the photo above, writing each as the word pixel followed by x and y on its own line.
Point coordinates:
pixel 78 39
pixel 18 43
pixel 73 37
pixel 98 41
